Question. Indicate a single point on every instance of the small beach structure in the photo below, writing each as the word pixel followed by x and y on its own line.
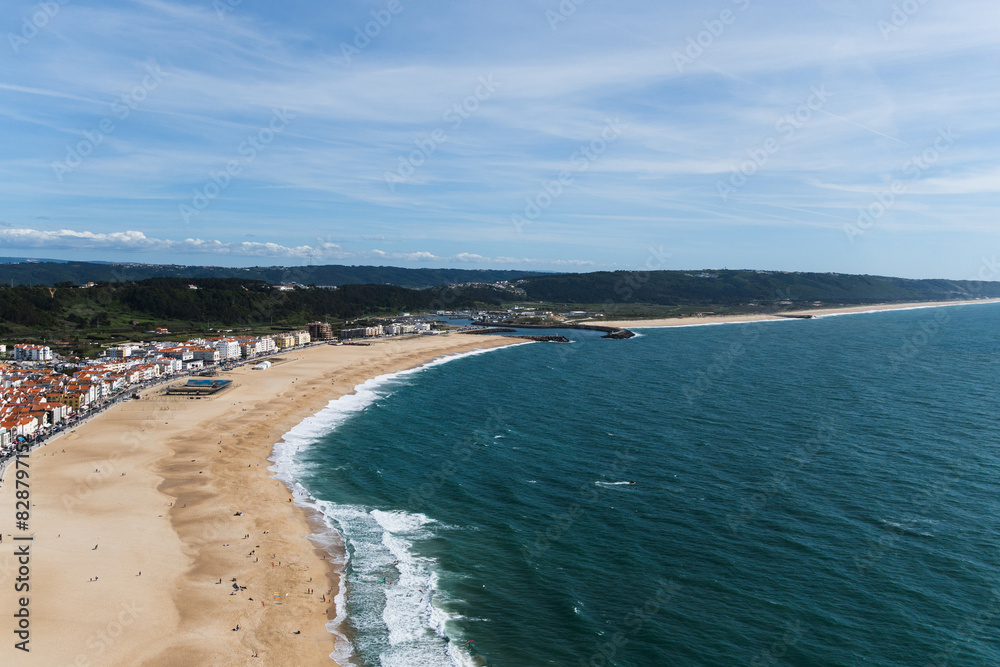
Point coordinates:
pixel 199 388
pixel 262 366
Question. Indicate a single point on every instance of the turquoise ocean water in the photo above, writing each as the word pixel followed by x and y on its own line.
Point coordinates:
pixel 814 492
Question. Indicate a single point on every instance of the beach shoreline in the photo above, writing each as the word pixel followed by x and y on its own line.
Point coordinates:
pixel 789 314
pixel 143 516
pixel 140 513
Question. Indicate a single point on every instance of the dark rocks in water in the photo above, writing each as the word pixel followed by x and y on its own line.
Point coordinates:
pixel 619 334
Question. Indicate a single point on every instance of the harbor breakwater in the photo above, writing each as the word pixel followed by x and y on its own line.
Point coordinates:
pixel 614 333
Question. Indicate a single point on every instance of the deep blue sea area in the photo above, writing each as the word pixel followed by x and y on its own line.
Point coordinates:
pixel 806 492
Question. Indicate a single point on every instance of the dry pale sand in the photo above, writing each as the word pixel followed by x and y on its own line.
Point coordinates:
pixel 719 319
pixel 153 486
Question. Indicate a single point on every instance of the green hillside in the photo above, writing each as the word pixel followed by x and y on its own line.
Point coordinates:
pixel 732 288
pixel 67 312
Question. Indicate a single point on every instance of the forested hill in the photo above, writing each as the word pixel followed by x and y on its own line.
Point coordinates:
pixel 68 307
pixel 732 288
pixel 50 273
pixel 215 301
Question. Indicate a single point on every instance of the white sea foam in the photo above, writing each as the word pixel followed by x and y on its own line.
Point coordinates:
pixel 393 593
pixel 401 522
pixel 908 527
pixel 405 631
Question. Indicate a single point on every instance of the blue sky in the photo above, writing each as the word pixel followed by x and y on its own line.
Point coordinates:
pixel 815 135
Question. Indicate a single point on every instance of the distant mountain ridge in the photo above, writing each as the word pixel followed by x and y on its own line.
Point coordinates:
pixel 697 288
pixel 29 260
pixel 744 287
pixel 49 272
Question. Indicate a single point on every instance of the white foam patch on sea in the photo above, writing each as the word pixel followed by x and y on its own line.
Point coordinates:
pixel 398 622
pixel 393 591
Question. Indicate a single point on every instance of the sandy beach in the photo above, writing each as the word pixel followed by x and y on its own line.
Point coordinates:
pixel 720 319
pixel 144 516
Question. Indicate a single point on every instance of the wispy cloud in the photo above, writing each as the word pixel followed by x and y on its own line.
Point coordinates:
pixel 135 241
pixel 136 244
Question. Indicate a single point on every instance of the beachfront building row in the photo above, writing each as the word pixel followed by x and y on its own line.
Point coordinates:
pixel 376 331
pixel 201 352
pixel 231 348
pixel 34 400
pixel 235 348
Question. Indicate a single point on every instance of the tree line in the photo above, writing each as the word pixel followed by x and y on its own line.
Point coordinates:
pixel 226 301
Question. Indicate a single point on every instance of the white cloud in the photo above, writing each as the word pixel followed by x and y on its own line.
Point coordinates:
pixel 975 183
pixel 474 258
pixel 135 241
pixel 555 262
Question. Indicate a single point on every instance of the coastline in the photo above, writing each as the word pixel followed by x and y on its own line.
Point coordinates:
pixel 169 487
pixel 304 435
pixel 774 317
